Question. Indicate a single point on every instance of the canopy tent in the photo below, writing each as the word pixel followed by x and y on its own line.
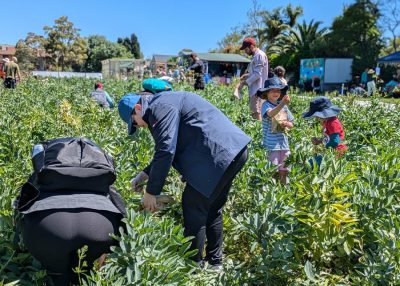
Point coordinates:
pixel 390 59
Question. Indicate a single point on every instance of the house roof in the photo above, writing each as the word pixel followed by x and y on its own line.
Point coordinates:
pixel 121 60
pixel 392 58
pixel 220 57
pixel 7 50
pixel 163 58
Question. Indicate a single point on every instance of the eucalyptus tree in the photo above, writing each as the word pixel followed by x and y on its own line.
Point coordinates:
pixel 64 44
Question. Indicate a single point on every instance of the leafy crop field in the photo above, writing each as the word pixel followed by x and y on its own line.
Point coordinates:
pixel 336 226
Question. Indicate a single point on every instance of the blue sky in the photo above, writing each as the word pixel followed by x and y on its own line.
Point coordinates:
pixel 162 27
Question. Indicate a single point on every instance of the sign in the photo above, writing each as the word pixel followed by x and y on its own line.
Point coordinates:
pixel 310 68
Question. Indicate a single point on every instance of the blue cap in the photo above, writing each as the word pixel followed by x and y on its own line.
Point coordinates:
pixel 125 108
pixel 155 85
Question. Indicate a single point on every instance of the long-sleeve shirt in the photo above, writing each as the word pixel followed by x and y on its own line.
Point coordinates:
pixel 103 98
pixel 333 134
pixel 194 137
pixel 258 72
pixel 364 77
pixel 197 67
pixel 109 100
pixel 11 70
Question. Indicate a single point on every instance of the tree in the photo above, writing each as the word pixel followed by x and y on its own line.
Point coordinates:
pixel 100 49
pixel 390 47
pixel 302 41
pixel 30 52
pixel 292 14
pixel 64 44
pixel 356 34
pixel 274 26
pixel 264 25
pixel 302 38
pixel 391 21
pixel 26 56
pixel 267 26
pixel 132 44
pixel 254 24
pixel 231 43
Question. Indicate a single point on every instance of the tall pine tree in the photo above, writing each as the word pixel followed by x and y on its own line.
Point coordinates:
pixel 132 44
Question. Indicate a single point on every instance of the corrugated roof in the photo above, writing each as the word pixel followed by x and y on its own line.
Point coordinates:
pixel 162 58
pixel 221 57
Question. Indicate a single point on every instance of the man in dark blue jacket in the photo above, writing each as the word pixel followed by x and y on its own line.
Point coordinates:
pixel 203 145
pixel 197 66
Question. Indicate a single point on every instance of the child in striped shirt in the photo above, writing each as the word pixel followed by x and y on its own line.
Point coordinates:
pixel 276 119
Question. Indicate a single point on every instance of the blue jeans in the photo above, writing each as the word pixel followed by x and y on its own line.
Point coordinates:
pixel 317 159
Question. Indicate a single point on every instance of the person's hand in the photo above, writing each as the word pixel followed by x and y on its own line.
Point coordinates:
pixel 286 99
pixel 244 77
pixel 286 124
pixel 315 140
pixel 149 202
pixel 139 182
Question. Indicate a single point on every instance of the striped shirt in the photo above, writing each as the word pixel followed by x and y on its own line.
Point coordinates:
pixel 274 141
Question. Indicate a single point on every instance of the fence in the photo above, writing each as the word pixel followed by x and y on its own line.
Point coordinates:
pixel 67 74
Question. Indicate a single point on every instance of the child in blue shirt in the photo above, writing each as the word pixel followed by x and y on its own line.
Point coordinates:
pixel 276 119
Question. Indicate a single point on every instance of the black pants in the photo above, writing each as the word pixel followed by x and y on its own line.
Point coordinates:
pixel 202 216
pixel 199 82
pixel 54 236
pixel 10 82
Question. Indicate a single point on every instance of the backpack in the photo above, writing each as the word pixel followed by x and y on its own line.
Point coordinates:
pixel 73 164
pixel 67 164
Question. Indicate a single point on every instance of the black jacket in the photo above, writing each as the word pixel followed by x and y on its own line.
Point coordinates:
pixel 197 67
pixel 193 136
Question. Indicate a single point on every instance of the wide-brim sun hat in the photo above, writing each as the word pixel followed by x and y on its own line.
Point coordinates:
pixel 321 107
pixel 272 83
pixel 125 108
pixel 371 71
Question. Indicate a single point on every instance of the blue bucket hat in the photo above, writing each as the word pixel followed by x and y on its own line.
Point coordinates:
pixel 272 83
pixel 125 108
pixel 155 85
pixel 321 107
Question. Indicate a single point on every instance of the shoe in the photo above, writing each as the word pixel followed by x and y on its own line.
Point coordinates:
pixel 215 267
pixel 201 264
